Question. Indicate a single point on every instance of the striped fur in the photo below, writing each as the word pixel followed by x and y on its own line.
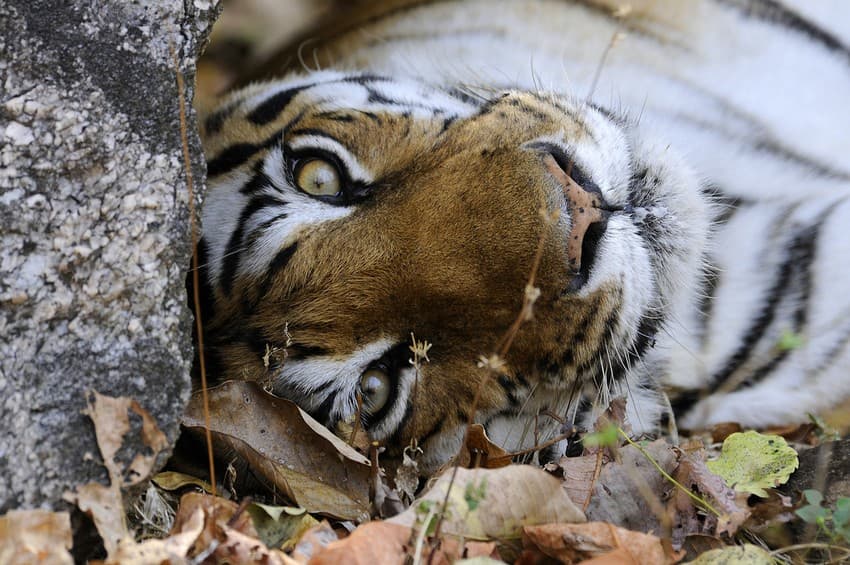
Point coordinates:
pixel 712 117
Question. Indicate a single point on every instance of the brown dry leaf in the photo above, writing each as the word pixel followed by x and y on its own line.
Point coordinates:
pixel 314 541
pixel 105 507
pixel 111 424
pixel 629 492
pixel 217 512
pixel 723 430
pixel 731 505
pixel 489 504
pixel 572 543
pixel 481 452
pixel 580 476
pixel 226 533
pixel 171 550
pixel 375 542
pixel 799 433
pixel 30 536
pixel 291 451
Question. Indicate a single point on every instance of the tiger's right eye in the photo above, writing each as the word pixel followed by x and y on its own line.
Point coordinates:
pixel 318 177
pixel 375 388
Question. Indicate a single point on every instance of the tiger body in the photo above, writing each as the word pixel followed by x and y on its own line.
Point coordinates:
pixel 709 137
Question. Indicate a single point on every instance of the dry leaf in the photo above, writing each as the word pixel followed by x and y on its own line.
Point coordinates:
pixel 493 503
pixel 287 448
pixel 172 480
pixel 571 543
pixel 217 512
pixel 481 452
pixel 314 541
pixel 171 550
pixel 280 526
pixel 111 424
pixel 624 488
pixel 720 432
pixel 580 476
pixel 375 542
pixel 35 536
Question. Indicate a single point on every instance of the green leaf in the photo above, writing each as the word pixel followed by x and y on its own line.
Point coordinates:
pixel 813 496
pixel 751 462
pixel 810 514
pixel 605 437
pixel 841 516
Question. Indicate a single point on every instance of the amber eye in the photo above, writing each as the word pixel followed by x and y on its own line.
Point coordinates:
pixel 318 178
pixel 375 388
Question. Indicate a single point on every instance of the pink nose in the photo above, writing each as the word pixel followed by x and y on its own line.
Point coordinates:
pixel 587 212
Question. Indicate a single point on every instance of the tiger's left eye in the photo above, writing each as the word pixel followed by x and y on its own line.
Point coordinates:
pixel 318 178
pixel 375 388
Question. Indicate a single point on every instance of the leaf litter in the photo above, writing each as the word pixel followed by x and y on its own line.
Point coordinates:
pixel 647 501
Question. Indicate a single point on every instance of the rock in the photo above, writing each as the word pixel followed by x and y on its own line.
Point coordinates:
pixel 93 209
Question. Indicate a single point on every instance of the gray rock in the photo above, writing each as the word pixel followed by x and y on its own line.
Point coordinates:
pixel 93 216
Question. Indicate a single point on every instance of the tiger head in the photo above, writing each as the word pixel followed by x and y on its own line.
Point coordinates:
pixel 348 215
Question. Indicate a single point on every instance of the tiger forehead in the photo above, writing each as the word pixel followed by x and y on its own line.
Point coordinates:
pixel 374 134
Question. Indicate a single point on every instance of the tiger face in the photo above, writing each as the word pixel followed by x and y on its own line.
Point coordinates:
pixel 348 214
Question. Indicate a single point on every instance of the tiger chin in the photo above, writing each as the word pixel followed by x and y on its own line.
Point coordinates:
pixel 349 214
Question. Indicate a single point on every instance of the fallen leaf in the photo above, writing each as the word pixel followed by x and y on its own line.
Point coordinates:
pixel 481 452
pixel 30 536
pixel 280 526
pixel 313 541
pixel 573 543
pixel 621 492
pixel 172 480
pixel 173 549
pixel 374 542
pixel 217 511
pixel 719 432
pixel 111 425
pixel 731 506
pixel 493 503
pixel 747 554
pixel 289 450
pixel 751 462
pixel 580 476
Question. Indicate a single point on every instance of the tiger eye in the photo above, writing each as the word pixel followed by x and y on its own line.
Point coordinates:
pixel 318 178
pixel 375 388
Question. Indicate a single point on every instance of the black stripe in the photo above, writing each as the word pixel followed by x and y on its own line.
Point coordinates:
pixel 775 13
pixel 239 153
pixel 316 132
pixel 232 254
pixel 280 261
pixel 463 96
pixel 834 353
pixel 268 110
pixel 800 253
pixel 323 412
pixel 215 121
pixel 335 116
pixel 258 182
pixel 231 158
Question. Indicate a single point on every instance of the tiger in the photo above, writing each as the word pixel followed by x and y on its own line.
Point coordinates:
pixel 510 212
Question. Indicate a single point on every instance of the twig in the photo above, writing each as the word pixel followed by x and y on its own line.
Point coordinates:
pixel 196 297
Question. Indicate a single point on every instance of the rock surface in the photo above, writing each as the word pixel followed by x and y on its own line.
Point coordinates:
pixel 93 209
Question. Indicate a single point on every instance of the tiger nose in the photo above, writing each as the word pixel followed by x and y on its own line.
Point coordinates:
pixel 589 218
